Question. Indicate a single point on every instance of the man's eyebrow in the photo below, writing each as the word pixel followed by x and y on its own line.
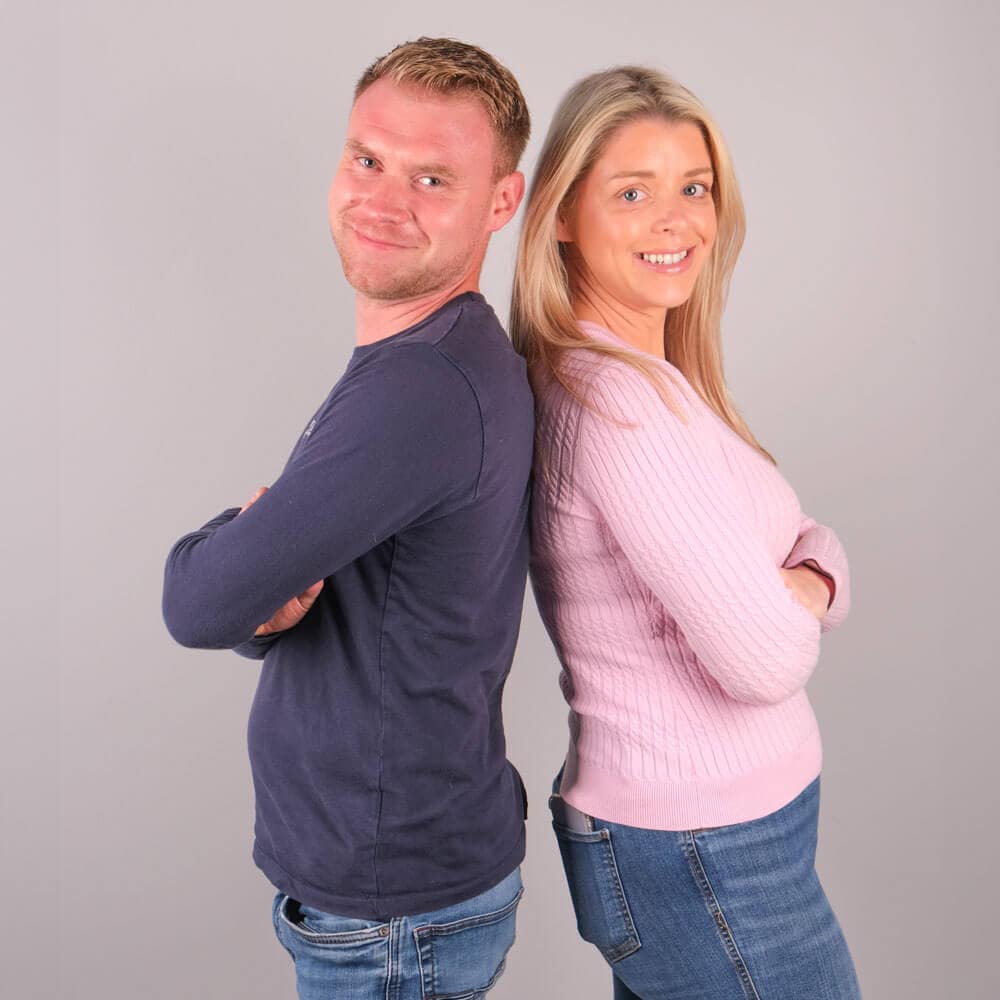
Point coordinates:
pixel 697 172
pixel 437 170
pixel 359 148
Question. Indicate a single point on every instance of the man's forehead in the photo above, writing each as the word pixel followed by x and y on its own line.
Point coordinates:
pixel 411 121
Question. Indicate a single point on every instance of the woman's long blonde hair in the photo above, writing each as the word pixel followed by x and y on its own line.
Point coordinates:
pixel 542 325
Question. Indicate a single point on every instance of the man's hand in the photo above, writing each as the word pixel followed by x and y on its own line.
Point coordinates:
pixel 260 492
pixel 809 590
pixel 295 610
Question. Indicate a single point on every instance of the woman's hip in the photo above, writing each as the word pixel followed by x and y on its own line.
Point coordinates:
pixel 736 907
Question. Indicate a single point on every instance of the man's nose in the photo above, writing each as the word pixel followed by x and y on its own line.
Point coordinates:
pixel 387 201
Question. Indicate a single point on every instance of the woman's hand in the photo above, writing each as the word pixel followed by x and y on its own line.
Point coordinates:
pixel 808 589
pixel 295 610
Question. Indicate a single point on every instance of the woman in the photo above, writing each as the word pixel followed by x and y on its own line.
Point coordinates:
pixel 682 586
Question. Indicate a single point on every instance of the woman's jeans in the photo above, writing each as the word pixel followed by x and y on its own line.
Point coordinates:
pixel 729 912
pixel 455 952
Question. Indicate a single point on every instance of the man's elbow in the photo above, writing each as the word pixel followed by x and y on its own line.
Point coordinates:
pixel 197 630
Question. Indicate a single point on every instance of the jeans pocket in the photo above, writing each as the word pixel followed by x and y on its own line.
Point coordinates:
pixel 463 959
pixel 602 913
pixel 326 929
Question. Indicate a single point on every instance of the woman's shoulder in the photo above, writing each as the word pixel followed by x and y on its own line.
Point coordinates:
pixel 607 385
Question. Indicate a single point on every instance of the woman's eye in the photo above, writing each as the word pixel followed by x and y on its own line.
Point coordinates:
pixel 695 190
pixel 632 194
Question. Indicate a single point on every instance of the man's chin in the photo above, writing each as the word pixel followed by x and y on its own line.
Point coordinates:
pixel 387 291
pixel 391 287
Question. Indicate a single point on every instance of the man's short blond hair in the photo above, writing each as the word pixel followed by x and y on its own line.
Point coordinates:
pixel 447 66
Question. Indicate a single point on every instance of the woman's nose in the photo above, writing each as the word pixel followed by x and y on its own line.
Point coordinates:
pixel 673 216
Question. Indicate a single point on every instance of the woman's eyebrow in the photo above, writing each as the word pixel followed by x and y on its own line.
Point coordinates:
pixel 652 173
pixel 632 173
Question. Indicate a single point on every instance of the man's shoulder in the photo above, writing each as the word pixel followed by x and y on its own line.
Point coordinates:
pixel 465 323
pixel 476 343
pixel 462 350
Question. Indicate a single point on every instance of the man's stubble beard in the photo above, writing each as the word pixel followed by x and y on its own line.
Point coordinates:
pixel 410 283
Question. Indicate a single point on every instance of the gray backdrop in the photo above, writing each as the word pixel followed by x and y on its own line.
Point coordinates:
pixel 173 229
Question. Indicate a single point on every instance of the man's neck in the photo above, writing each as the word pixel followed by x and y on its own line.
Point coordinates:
pixel 375 319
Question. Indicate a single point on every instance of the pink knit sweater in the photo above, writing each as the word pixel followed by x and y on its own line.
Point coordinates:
pixel 655 556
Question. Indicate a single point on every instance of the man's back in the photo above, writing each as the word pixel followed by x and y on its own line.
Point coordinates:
pixel 376 739
pixel 381 576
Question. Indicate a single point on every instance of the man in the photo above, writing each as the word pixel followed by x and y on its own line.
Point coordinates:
pixel 388 562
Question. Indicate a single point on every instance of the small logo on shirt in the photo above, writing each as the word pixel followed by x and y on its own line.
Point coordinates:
pixel 309 429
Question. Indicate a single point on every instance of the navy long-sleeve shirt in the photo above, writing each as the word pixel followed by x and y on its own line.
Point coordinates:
pixel 376 739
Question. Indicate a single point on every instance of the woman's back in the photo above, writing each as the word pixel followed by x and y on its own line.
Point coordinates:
pixel 655 551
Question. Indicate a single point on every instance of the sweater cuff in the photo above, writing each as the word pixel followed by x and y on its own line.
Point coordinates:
pixel 256 647
pixel 822 546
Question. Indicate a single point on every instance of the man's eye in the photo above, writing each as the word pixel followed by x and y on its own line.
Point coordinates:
pixel 695 190
pixel 431 181
pixel 367 162
pixel 632 194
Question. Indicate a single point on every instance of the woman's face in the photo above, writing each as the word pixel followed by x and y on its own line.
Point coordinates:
pixel 642 223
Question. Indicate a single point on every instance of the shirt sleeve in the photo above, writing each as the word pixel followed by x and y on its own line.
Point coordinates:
pixel 657 484
pixel 819 543
pixel 256 647
pixel 400 441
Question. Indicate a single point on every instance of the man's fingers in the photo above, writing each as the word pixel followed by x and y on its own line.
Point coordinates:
pixel 260 492
pixel 308 597
pixel 293 612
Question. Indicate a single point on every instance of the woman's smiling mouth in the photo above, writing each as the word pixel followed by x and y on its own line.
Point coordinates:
pixel 666 261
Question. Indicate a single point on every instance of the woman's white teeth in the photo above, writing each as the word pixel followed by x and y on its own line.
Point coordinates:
pixel 665 258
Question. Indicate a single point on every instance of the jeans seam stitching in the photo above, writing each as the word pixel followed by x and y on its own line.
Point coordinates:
pixel 332 937
pixel 721 923
pixel 482 920
pixel 388 964
pixel 430 931
pixel 394 985
pixel 468 994
pixel 632 943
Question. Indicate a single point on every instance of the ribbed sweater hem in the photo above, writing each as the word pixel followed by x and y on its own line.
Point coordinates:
pixel 690 805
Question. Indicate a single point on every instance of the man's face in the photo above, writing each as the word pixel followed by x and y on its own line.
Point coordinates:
pixel 414 198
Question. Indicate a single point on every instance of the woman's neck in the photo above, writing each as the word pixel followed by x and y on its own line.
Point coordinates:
pixel 643 329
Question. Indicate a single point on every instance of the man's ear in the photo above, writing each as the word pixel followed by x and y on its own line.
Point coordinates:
pixel 507 197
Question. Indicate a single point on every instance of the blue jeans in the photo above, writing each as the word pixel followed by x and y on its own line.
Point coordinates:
pixel 455 952
pixel 728 912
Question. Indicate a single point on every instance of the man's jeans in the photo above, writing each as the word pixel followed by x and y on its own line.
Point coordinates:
pixel 455 952
pixel 730 912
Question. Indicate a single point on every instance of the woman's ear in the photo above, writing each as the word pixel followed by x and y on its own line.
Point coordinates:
pixel 564 232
